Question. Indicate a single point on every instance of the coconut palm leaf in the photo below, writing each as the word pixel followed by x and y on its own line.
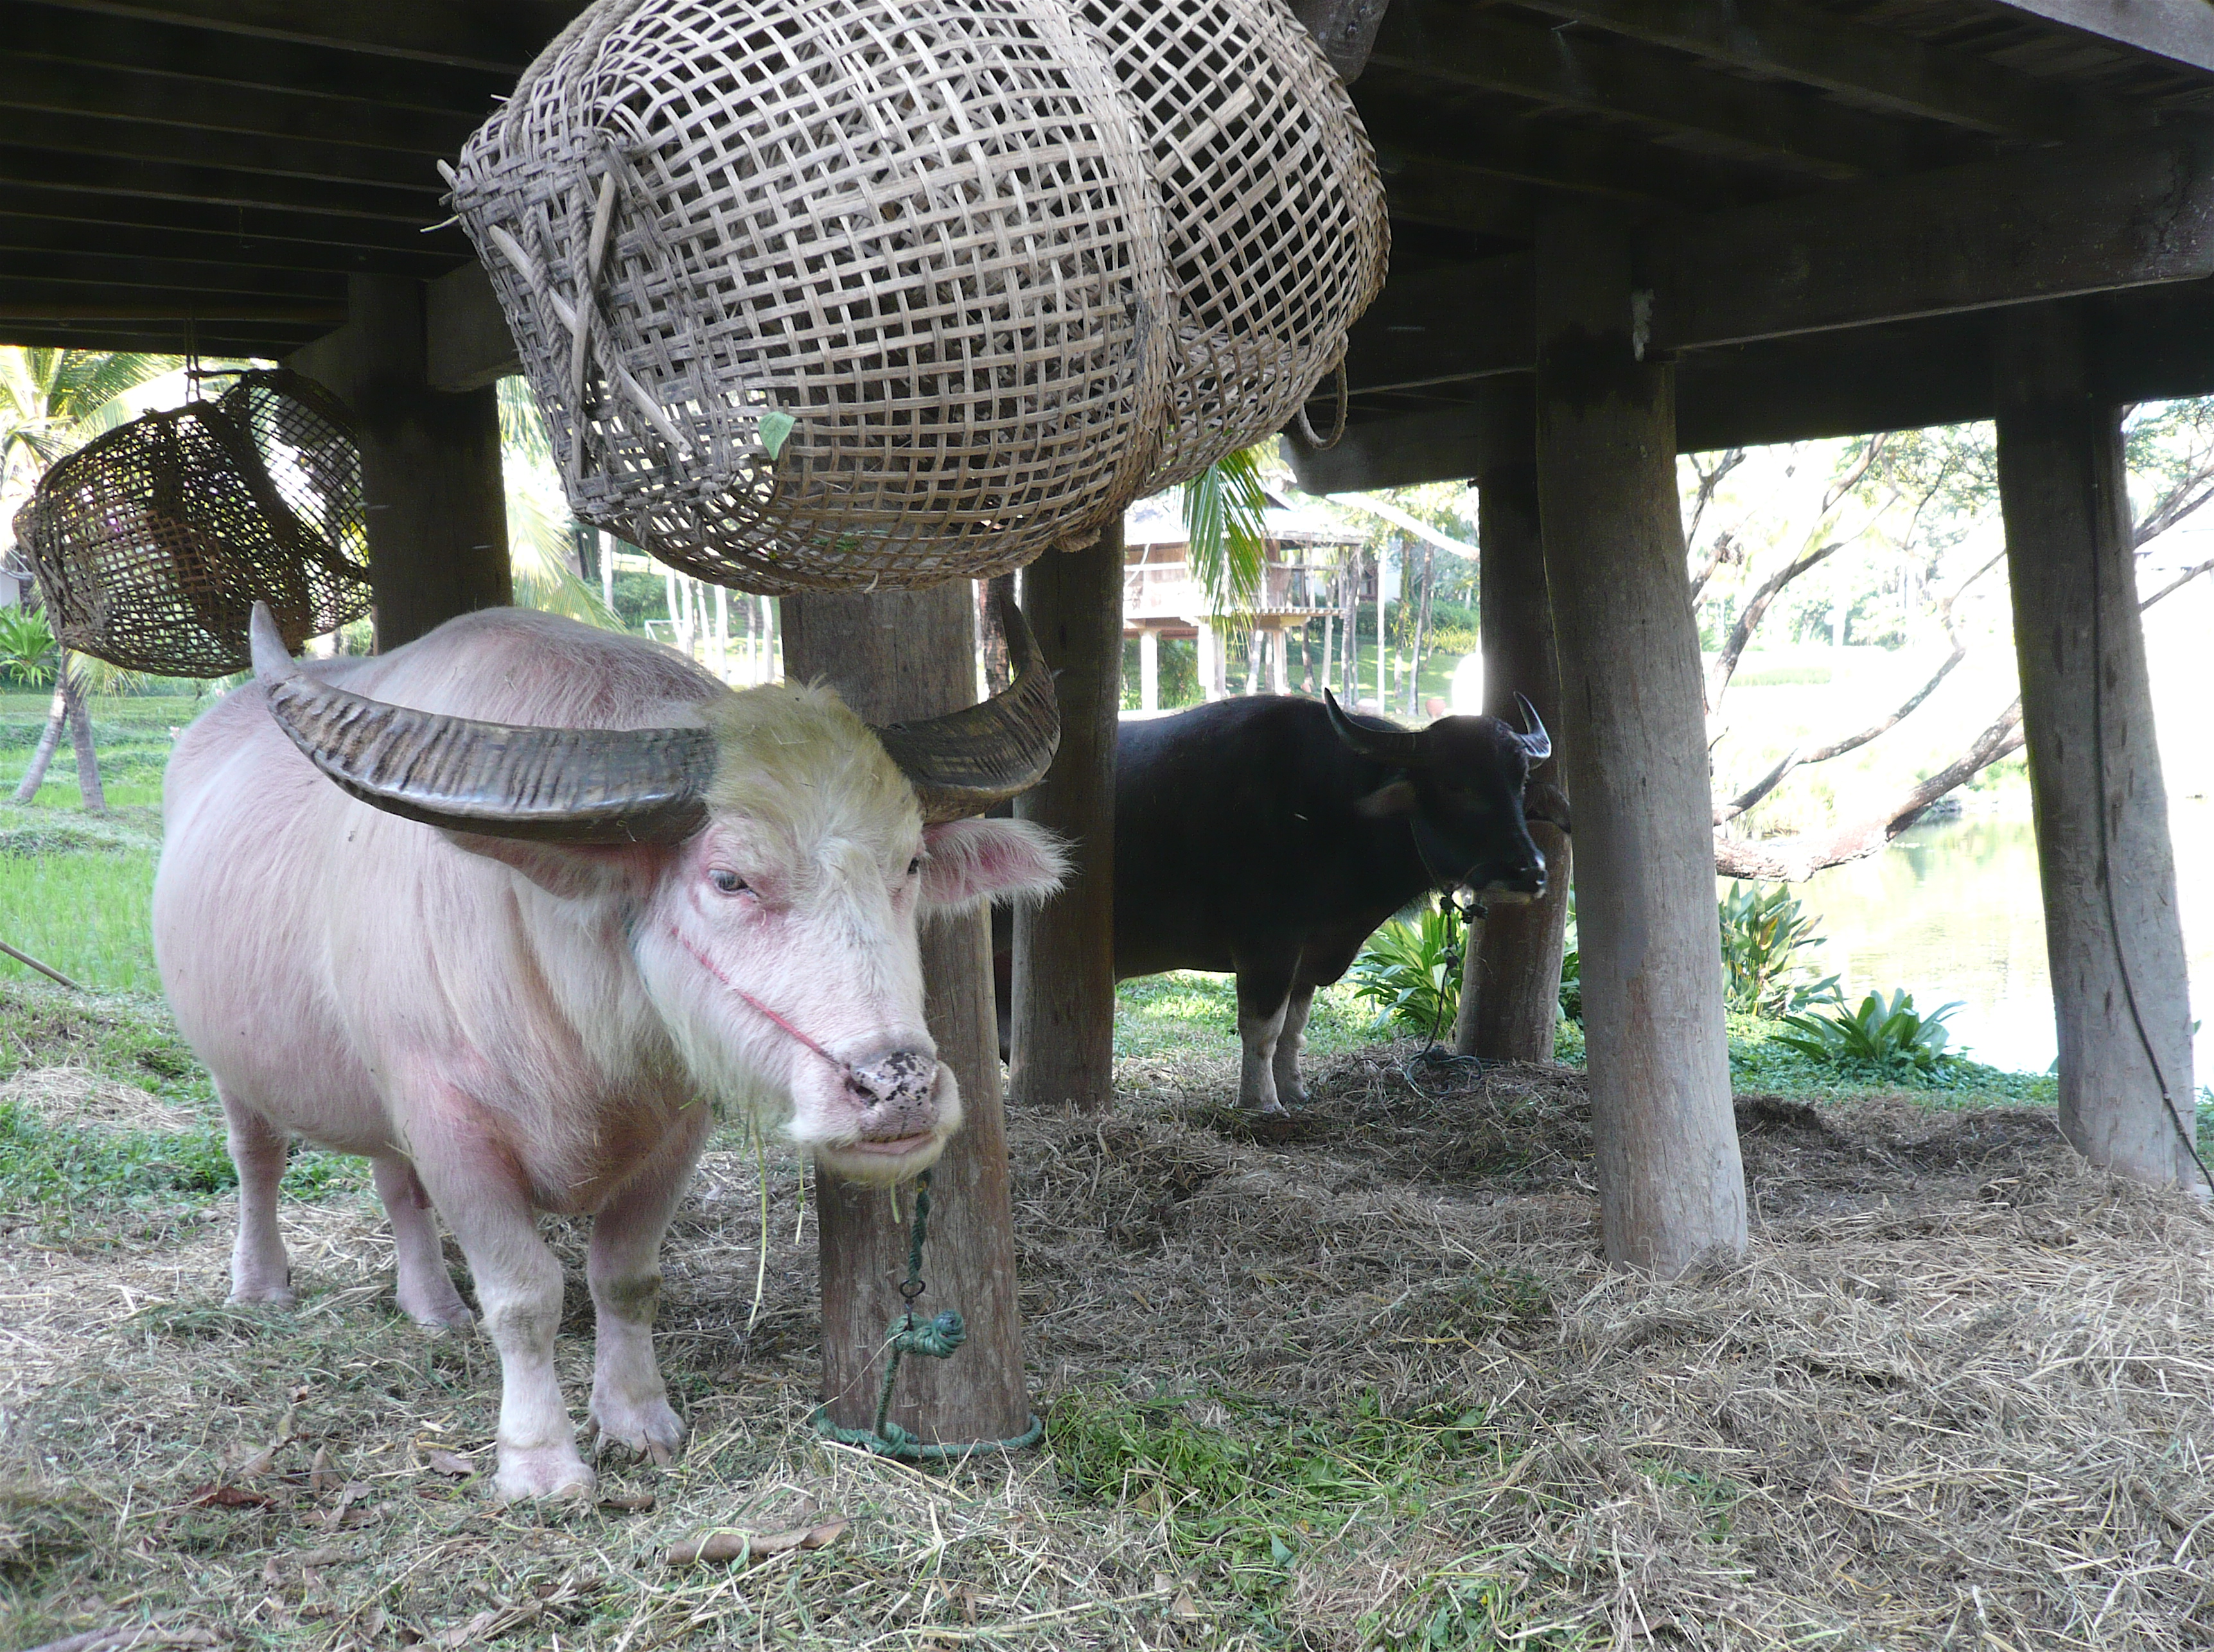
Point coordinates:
pixel 1226 518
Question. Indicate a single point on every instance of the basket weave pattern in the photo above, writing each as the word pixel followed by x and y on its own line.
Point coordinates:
pixel 868 290
pixel 152 543
pixel 1276 215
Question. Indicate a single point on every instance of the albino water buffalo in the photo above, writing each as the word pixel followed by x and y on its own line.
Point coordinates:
pixel 567 895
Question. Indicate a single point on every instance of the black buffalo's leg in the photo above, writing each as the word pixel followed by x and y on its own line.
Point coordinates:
pixel 1291 1040
pixel 1264 992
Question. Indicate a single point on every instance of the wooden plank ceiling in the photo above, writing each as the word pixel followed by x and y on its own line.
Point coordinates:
pixel 210 171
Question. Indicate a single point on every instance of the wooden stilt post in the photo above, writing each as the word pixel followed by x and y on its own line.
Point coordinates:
pixel 1510 994
pixel 430 466
pixel 1064 981
pixel 2120 985
pixel 1672 1186
pixel 907 654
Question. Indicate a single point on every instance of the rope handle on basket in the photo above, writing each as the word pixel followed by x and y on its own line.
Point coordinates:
pixel 1338 431
pixel 939 1338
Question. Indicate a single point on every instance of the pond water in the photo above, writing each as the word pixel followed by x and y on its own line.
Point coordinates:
pixel 1951 911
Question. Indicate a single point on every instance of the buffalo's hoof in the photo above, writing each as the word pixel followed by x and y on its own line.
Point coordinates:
pixel 649 1428
pixel 276 1296
pixel 435 1309
pixel 544 1471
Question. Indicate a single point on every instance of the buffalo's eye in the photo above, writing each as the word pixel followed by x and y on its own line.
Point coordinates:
pixel 915 867
pixel 728 883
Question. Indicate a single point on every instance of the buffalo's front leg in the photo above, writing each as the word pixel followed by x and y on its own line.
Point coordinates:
pixel 1264 1000
pixel 1291 1042
pixel 630 1402
pixel 479 1192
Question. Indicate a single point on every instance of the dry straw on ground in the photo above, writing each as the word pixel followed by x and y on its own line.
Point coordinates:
pixel 1955 1396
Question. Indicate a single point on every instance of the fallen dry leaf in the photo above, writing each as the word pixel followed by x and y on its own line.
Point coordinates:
pixel 732 1545
pixel 630 1503
pixel 449 1462
pixel 227 1496
pixel 319 1476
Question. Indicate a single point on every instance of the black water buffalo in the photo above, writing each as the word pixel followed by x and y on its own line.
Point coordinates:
pixel 1269 836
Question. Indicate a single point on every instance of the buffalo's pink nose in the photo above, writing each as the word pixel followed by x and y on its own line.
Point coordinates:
pixel 896 1091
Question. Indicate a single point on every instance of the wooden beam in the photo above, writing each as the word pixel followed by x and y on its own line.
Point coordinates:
pixel 1554 155
pixel 1457 321
pixel 2182 31
pixel 165 179
pixel 33 301
pixel 1664 1139
pixel 1601 73
pixel 24 228
pixel 2121 985
pixel 892 656
pixel 2123 212
pixel 101 275
pixel 1063 1032
pixel 1819 48
pixel 500 36
pixel 410 179
pixel 268 342
pixel 465 333
pixel 56 86
pixel 1420 189
pixel 389 245
pixel 223 59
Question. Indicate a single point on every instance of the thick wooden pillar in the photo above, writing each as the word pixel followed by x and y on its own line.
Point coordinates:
pixel 1672 1186
pixel 1511 979
pixel 1063 1048
pixel 430 471
pixel 906 654
pixel 2120 988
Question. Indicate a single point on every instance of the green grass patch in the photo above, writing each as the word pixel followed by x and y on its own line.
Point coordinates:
pixel 88 912
pixel 1186 1013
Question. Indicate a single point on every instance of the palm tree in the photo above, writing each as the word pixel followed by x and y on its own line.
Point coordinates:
pixel 540 532
pixel 51 402
pixel 1226 513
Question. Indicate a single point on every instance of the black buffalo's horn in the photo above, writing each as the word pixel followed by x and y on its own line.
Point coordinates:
pixel 557 785
pixel 1398 747
pixel 623 786
pixel 965 761
pixel 1535 742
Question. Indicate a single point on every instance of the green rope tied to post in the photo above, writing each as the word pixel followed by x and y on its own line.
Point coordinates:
pixel 939 1338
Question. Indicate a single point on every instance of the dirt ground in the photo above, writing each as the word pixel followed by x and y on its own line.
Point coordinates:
pixel 1367 1386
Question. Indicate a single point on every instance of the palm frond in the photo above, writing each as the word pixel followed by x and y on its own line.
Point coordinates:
pixel 522 426
pixel 1225 519
pixel 538 529
pixel 94 378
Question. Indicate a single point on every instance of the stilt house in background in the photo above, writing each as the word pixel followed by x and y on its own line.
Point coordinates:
pixel 1622 228
pixel 1306 558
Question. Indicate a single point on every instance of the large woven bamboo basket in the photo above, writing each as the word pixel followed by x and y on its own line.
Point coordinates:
pixel 153 543
pixel 1274 208
pixel 823 294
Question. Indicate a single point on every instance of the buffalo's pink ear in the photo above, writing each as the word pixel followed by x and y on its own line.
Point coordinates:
pixel 965 861
pixel 574 872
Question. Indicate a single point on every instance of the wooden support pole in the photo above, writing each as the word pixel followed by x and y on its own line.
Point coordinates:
pixel 1063 1050
pixel 2120 989
pixel 1672 1187
pixel 429 468
pixel 1511 979
pixel 907 654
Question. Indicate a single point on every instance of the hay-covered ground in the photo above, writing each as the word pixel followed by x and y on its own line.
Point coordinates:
pixel 1369 1386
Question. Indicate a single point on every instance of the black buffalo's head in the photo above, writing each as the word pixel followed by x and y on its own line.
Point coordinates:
pixel 1464 784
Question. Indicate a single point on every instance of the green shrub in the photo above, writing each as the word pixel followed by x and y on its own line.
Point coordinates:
pixel 1883 1038
pixel 1764 933
pixel 1572 970
pixel 1411 973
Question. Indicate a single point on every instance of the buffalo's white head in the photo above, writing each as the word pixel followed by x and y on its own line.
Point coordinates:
pixel 771 867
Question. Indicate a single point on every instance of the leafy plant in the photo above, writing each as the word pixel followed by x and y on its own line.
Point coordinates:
pixel 1886 1038
pixel 1411 973
pixel 1764 933
pixel 1226 513
pixel 28 654
pixel 1572 970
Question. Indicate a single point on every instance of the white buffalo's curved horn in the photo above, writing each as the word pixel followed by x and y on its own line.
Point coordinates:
pixel 559 786
pixel 965 762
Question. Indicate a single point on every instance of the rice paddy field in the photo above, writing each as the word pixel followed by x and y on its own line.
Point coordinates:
pixel 1363 1384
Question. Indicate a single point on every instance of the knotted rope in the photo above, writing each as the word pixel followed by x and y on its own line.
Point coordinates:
pixel 938 1337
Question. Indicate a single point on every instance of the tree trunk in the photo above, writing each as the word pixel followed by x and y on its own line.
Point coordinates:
pixel 907 654
pixel 1349 679
pixel 57 716
pixel 1672 1185
pixel 2121 985
pixel 1063 1043
pixel 89 790
pixel 1511 977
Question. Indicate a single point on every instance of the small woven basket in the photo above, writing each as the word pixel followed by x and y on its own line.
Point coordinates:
pixel 1274 211
pixel 153 543
pixel 823 294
